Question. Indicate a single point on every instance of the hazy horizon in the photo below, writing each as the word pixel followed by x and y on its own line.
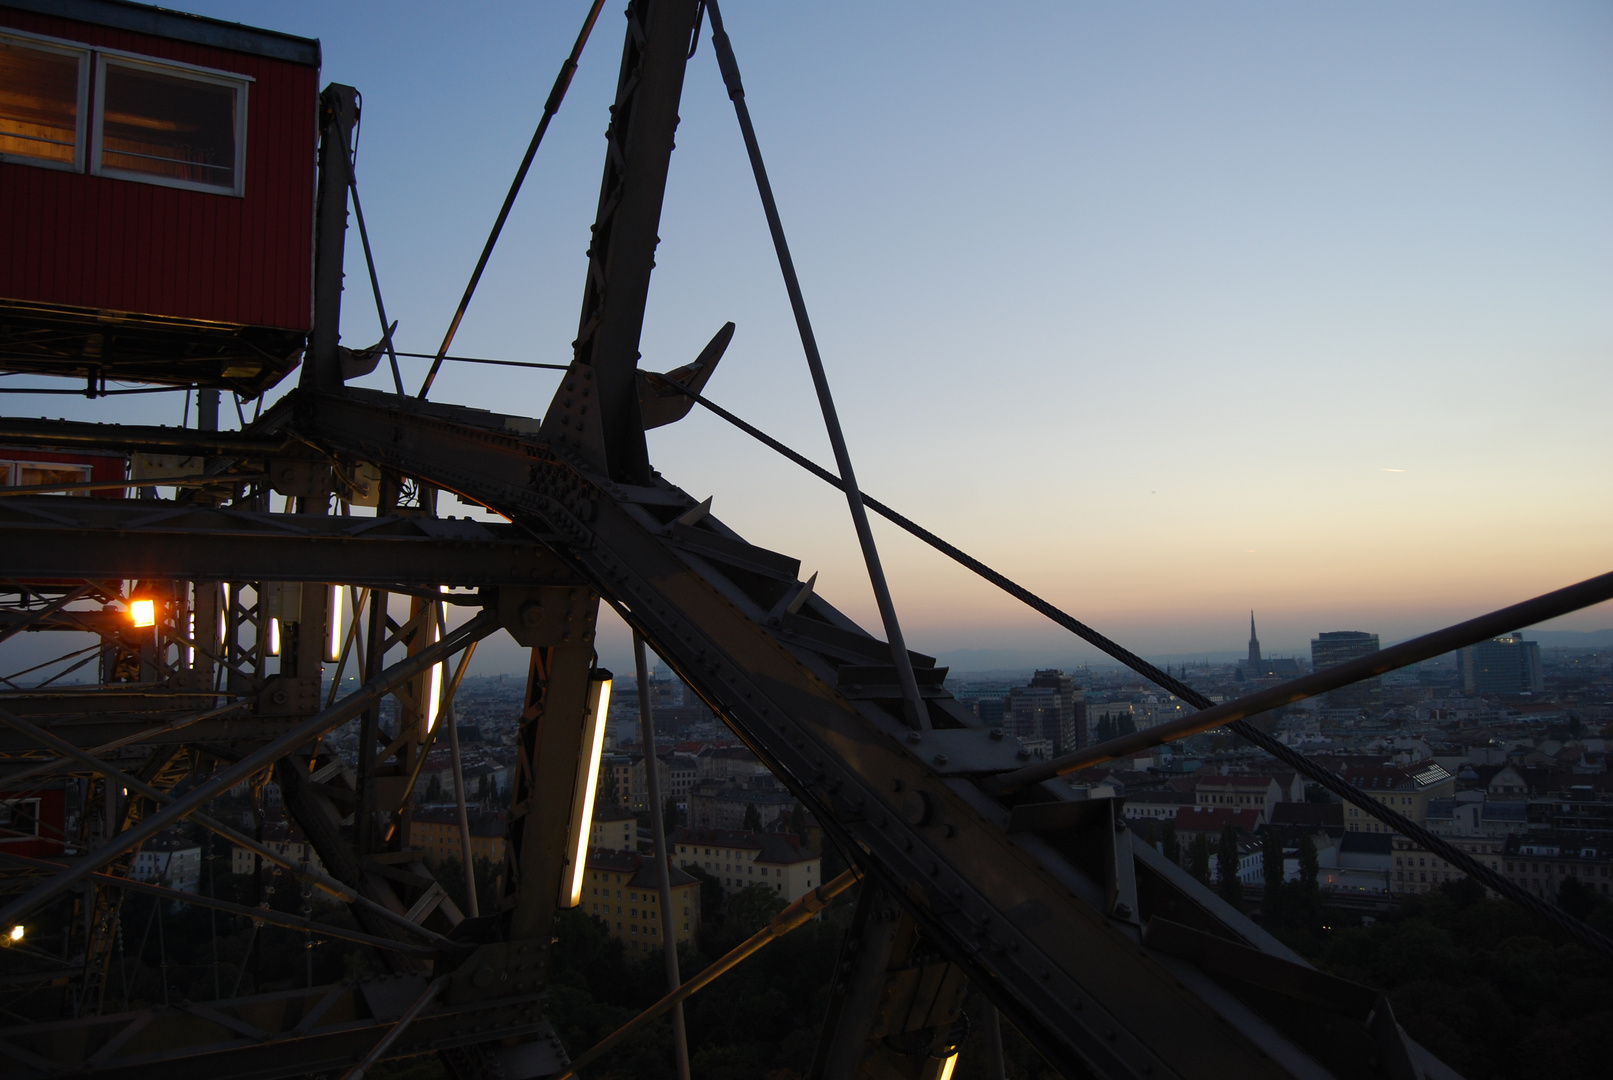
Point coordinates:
pixel 1167 312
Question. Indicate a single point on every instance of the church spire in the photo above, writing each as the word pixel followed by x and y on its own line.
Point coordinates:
pixel 1254 647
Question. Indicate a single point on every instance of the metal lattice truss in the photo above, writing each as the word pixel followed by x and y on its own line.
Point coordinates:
pixel 976 868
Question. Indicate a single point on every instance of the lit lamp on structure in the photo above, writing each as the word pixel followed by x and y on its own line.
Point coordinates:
pixel 15 934
pixel 143 612
pixel 582 799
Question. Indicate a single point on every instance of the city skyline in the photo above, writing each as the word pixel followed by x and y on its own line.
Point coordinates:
pixel 1311 317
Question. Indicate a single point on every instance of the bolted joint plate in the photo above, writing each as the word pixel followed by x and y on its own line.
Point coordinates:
pixel 547 615
pixel 504 969
pixel 964 751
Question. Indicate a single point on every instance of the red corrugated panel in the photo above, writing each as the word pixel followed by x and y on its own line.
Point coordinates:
pixel 121 245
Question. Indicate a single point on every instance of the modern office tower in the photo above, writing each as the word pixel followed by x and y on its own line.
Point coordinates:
pixel 1052 707
pixel 1334 647
pixel 1503 665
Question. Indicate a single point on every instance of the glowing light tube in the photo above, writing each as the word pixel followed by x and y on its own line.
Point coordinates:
pixel 582 798
pixel 434 681
pixel 333 641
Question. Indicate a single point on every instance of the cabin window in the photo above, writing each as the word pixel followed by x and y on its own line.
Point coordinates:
pixel 42 473
pixel 19 819
pixel 42 92
pixel 170 126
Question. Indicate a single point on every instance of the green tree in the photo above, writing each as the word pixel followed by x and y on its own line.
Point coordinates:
pixel 670 819
pixel 711 895
pixel 612 790
pixel 753 818
pixel 1575 897
pixel 1271 863
pixel 1198 859
pixel 1170 845
pixel 1303 904
pixel 1226 866
pixel 748 910
pixel 434 788
pixel 798 823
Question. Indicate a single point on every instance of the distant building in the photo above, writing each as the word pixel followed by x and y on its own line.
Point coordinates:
pixel 615 774
pixel 1541 862
pixel 1478 828
pixel 738 859
pixel 1256 666
pixel 169 861
pixel 1160 804
pixel 622 890
pixel 282 839
pixel 1336 647
pixel 734 763
pixel 1242 792
pixel 715 805
pixel 439 768
pixel 1503 665
pixel 1194 820
pixel 1408 790
pixel 1297 818
pixel 683 770
pixel 614 830
pixel 434 832
pixel 1052 707
pixel 993 711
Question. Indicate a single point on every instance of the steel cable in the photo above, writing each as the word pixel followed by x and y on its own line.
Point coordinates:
pixel 557 94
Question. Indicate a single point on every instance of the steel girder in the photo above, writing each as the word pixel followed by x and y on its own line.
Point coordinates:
pixel 45 537
pixel 1052 909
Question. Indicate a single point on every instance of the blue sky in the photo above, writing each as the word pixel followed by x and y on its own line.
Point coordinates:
pixel 1167 310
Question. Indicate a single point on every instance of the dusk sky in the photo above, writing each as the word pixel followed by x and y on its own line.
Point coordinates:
pixel 1168 311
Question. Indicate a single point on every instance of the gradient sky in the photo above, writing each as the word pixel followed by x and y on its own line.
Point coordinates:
pixel 1169 311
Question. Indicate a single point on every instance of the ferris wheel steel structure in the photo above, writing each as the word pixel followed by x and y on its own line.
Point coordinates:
pixel 975 867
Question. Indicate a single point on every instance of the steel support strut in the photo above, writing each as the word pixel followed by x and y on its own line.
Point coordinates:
pixel 596 410
pixel 663 854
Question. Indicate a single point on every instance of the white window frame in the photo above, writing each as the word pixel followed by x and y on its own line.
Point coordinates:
pixel 11 471
pixel 81 117
pixel 35 804
pixel 184 71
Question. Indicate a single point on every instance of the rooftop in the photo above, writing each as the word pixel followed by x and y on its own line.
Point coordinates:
pixel 769 847
pixel 642 869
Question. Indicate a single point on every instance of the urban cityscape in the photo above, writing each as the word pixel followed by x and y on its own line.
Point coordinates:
pixel 1498 748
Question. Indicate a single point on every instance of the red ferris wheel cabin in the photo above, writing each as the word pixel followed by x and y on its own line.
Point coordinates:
pixel 156 195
